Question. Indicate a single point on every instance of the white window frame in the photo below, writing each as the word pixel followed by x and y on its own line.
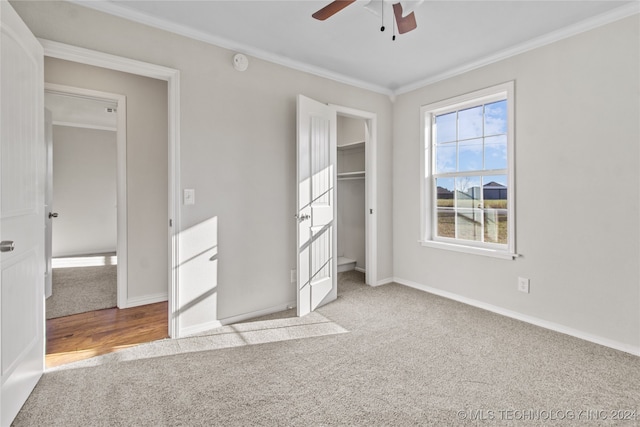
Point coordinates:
pixel 427 166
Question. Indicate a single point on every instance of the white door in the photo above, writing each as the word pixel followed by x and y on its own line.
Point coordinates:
pixel 21 213
pixel 316 175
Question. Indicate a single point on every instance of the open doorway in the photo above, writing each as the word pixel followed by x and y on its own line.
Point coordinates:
pixel 351 192
pixel 100 237
pixel 356 193
pixel 85 223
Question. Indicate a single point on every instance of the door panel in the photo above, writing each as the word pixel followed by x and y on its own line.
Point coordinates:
pixel 17 294
pixel 21 213
pixel 316 204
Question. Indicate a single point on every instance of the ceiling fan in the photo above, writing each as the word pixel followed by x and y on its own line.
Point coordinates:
pixel 403 11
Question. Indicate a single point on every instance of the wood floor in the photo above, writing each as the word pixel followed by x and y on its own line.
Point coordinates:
pixel 86 335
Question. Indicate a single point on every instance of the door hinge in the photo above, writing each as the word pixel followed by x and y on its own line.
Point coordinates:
pixel 170 222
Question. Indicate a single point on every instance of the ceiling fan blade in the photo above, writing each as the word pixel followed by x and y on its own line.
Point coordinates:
pixel 331 9
pixel 406 23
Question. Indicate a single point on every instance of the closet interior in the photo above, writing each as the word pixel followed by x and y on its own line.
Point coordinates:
pixel 351 191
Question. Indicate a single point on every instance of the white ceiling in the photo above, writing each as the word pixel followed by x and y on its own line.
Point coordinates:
pixel 452 35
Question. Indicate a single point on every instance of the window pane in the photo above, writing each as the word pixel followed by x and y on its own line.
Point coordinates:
pixel 470 123
pixel 445 128
pixel 495 118
pixel 495 152
pixel 495 226
pixel 469 224
pixel 446 158
pixel 470 155
pixel 468 204
pixel 444 192
pixel 494 189
pixel 468 192
pixel 446 221
pixel 495 195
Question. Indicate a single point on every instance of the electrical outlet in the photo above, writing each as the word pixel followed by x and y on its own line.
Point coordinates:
pixel 523 285
pixel 294 276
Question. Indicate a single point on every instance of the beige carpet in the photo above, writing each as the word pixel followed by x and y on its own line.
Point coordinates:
pixel 81 289
pixel 408 358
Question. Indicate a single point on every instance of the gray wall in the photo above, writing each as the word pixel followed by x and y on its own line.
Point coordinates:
pixel 238 146
pixel 576 132
pixel 84 191
pixel 147 151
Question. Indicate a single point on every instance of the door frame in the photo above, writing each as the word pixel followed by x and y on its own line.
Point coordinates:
pixel 172 77
pixel 121 174
pixel 371 188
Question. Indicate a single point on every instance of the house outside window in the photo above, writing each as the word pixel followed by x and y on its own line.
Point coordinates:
pixel 467 170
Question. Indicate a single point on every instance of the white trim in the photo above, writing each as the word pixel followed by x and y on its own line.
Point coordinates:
pixel 384 281
pixel 121 176
pixel 494 253
pixel 81 55
pixel 143 18
pixel 258 313
pixel 371 187
pixel 199 328
pixel 361 270
pixel 635 350
pixel 144 300
pixel 84 126
pixel 172 77
pixel 546 39
pixel 173 130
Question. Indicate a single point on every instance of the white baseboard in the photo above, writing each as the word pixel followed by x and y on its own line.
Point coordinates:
pixel 200 327
pixel 383 282
pixel 524 318
pixel 361 270
pixel 144 300
pixel 263 312
pixel 86 253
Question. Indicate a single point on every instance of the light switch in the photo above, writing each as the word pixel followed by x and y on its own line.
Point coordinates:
pixel 189 196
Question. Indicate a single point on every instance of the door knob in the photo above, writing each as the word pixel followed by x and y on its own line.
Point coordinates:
pixel 53 214
pixel 303 217
pixel 7 246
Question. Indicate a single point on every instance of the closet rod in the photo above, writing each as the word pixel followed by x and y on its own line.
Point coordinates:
pixel 350 178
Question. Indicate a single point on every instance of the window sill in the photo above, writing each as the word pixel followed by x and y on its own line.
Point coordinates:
pixel 493 253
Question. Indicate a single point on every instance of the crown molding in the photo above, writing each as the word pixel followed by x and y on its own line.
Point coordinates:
pixel 163 24
pixel 552 37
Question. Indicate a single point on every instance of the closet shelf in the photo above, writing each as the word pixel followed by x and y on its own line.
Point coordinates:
pixel 351 145
pixel 351 175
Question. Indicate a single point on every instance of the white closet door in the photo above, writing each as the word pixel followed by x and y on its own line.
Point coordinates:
pixel 316 175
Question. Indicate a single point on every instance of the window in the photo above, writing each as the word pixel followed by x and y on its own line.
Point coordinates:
pixel 468 173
